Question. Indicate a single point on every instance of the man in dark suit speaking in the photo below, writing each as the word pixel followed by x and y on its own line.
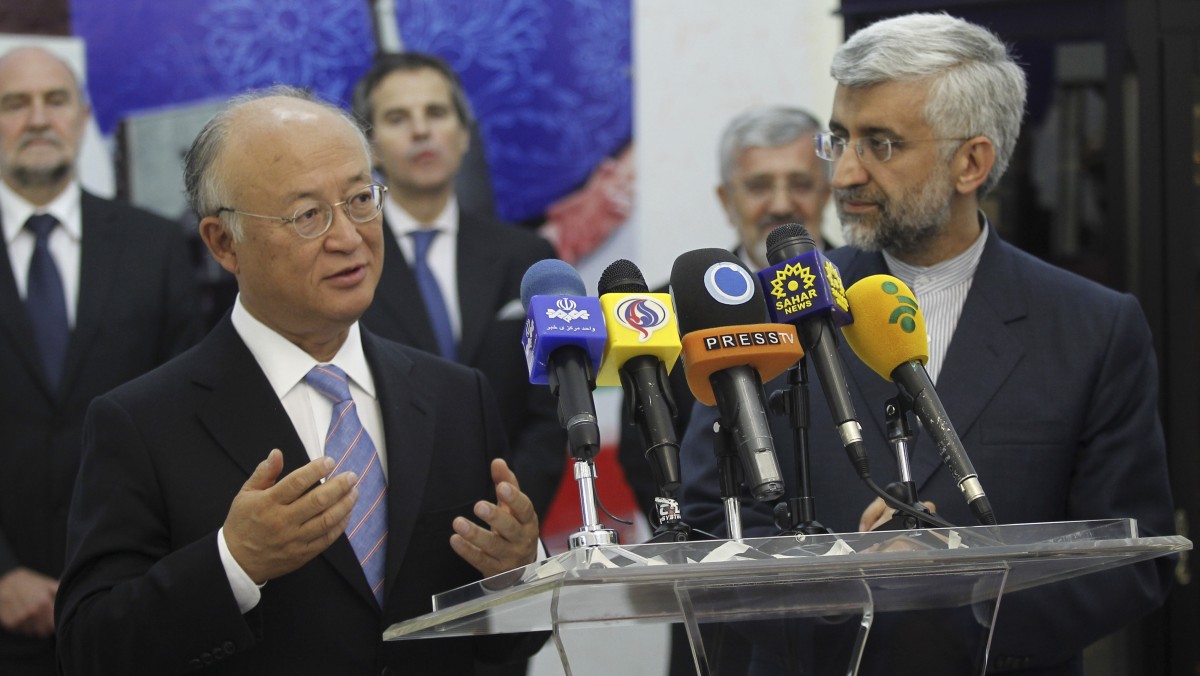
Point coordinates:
pixel 93 292
pixel 273 499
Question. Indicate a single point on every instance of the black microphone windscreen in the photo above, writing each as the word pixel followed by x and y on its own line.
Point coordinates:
pixel 621 276
pixel 550 277
pixel 788 241
pixel 712 288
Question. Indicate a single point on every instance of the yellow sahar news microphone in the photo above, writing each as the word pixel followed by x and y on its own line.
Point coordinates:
pixel 888 334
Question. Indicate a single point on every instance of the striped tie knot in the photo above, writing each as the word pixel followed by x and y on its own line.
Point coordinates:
pixel 330 381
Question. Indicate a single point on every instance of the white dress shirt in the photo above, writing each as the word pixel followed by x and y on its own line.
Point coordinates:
pixel 285 366
pixel 65 242
pixel 941 291
pixel 442 256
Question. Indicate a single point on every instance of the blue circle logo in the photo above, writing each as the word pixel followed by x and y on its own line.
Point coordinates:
pixel 729 283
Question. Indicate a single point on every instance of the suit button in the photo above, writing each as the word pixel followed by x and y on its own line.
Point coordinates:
pixel 206 658
pixel 229 647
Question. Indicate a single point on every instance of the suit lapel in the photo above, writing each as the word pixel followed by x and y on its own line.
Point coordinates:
pixel 14 322
pixel 99 265
pixel 480 276
pixel 247 420
pixel 982 353
pixel 408 436
pixel 984 350
pixel 400 300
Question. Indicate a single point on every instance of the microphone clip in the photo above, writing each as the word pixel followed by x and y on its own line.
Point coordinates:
pixel 901 435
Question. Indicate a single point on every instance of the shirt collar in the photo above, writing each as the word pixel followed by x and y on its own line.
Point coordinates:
pixel 403 222
pixel 15 210
pixel 285 364
pixel 947 273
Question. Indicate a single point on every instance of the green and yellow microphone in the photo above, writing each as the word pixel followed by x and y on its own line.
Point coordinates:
pixel 888 334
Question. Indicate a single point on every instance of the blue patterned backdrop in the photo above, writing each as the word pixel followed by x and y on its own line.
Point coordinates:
pixel 549 79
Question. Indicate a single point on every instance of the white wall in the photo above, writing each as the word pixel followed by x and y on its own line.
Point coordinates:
pixel 697 63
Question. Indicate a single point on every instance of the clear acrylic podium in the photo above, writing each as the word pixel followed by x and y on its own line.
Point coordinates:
pixel 832 589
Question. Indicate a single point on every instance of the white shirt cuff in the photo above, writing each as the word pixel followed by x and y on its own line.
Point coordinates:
pixel 245 591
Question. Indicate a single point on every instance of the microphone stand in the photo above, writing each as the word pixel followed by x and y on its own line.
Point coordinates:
pixel 671 526
pixel 729 468
pixel 592 533
pixel 900 436
pixel 583 437
pixel 647 377
pixel 798 514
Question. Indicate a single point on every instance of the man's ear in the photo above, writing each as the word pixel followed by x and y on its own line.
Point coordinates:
pixel 374 147
pixel 220 243
pixel 726 201
pixel 973 163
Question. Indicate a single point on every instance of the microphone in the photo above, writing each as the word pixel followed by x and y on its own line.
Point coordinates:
pixel 564 342
pixel 642 346
pixel 728 351
pixel 888 334
pixel 807 291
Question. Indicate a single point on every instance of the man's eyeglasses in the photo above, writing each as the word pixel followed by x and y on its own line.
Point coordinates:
pixel 313 219
pixel 871 149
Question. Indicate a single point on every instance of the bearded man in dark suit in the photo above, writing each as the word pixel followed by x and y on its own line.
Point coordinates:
pixel 95 292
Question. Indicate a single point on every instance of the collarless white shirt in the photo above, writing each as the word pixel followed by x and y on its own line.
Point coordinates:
pixel 66 242
pixel 285 366
pixel 442 256
pixel 941 291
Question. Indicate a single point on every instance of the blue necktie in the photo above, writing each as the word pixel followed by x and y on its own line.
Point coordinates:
pixel 431 293
pixel 352 449
pixel 46 301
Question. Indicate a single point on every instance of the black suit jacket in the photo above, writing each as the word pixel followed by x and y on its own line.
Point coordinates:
pixel 1051 382
pixel 145 592
pixel 137 308
pixel 492 259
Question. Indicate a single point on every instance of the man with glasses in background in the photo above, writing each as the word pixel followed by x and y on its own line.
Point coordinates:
pixel 272 500
pixel 1050 379
pixel 769 175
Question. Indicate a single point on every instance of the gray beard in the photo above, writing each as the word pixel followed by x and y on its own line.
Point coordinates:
pixel 40 178
pixel 903 226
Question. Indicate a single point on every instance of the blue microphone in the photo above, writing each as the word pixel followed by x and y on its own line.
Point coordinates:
pixel 564 344
pixel 806 291
pixel 804 285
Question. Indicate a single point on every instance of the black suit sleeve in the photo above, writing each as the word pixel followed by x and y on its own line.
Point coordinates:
pixel 132 600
